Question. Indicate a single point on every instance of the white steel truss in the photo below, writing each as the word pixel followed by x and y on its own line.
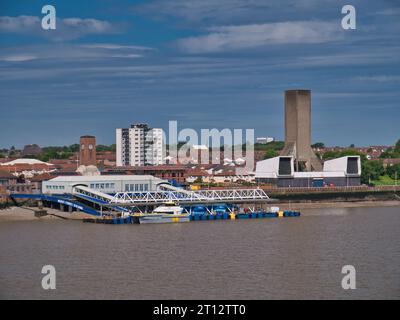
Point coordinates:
pixel 185 197
pixel 177 195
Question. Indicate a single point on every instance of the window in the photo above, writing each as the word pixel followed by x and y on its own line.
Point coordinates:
pixel 127 187
pixel 352 165
pixel 136 187
pixel 107 185
pixel 92 185
pixel 102 186
pixel 146 187
pixel 285 166
pixel 97 185
pixel 141 187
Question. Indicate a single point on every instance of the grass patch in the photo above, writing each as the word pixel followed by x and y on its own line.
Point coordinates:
pixel 384 181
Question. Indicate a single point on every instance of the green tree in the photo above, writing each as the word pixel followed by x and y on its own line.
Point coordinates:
pixel 102 148
pixel 386 154
pixel 55 153
pixel 337 154
pixel 331 155
pixel 270 153
pixel 74 147
pixel 318 145
pixel 29 156
pixel 391 171
pixel 391 152
pixel 371 170
pixel 274 145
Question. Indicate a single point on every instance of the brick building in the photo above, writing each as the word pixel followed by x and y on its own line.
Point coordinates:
pixel 87 151
pixel 166 172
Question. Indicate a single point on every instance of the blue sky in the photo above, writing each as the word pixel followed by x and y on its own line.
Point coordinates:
pixel 205 63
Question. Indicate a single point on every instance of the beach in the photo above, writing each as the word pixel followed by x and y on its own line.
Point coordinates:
pixel 28 214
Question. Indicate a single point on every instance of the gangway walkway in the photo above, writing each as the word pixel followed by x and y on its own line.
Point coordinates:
pixel 59 199
pixel 182 196
pixel 97 197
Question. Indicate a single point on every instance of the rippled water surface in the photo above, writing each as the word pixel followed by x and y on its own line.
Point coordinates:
pixel 294 258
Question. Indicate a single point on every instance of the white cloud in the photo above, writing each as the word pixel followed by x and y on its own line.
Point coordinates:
pixel 379 78
pixel 64 53
pixel 389 12
pixel 66 29
pixel 226 38
pixel 112 46
pixel 362 56
pixel 228 10
pixel 17 58
pixel 127 56
pixel 90 25
pixel 18 24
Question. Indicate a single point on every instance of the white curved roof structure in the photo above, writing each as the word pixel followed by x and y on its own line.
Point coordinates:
pixel 25 161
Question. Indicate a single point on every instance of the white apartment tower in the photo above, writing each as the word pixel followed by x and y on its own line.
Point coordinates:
pixel 139 145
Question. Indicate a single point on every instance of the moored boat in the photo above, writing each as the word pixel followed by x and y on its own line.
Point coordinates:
pixel 170 212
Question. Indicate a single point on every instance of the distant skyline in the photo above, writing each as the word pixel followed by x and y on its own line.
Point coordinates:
pixel 207 64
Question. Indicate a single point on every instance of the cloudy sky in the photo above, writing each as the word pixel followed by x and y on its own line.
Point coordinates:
pixel 205 63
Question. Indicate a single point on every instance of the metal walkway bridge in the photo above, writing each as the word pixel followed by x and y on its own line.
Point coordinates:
pixel 169 193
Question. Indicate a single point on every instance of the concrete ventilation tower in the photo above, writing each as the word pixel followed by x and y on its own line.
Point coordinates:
pixel 298 131
pixel 87 151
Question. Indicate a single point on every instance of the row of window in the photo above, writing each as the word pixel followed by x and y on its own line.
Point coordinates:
pixel 55 187
pixel 128 187
pixel 137 187
pixel 102 185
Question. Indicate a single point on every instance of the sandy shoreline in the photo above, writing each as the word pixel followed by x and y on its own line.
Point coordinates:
pixel 27 214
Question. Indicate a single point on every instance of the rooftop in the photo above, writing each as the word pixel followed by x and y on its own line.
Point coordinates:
pixel 25 161
pixel 6 175
pixel 41 177
pixel 103 178
pixel 148 168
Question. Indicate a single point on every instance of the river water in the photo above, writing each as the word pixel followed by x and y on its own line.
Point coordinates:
pixel 286 258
